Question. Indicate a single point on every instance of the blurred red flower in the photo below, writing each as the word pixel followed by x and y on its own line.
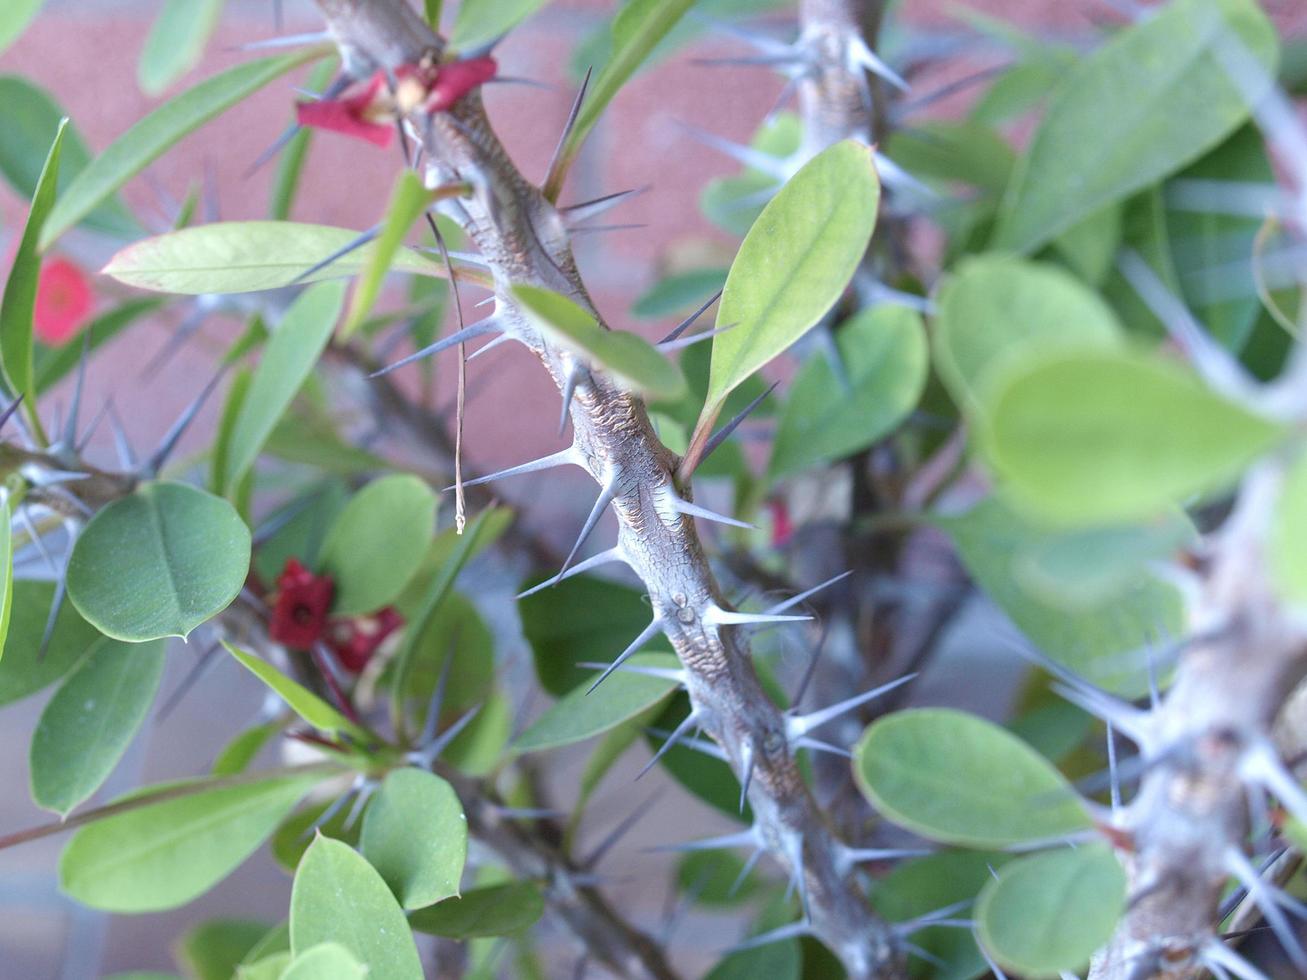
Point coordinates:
pixel 64 301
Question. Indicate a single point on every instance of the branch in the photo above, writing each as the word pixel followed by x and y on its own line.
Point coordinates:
pixel 524 240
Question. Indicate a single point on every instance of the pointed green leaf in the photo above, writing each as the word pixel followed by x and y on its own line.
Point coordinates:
pixel 267 968
pixel 299 699
pixel 1045 915
pixel 23 670
pixel 147 140
pixel 378 542
pixel 161 855
pixel 176 42
pixel 212 950
pixel 326 961
pixel 242 749
pixel 300 337
pixel 1156 96
pixel 415 835
pixel 629 360
pixel 6 572
pixel 497 910
pixel 15 15
pixel 479 22
pixel 580 715
pixel 794 263
pixel 158 562
pixel 29 117
pixel 994 309
pixel 957 778
pixel 339 897
pixel 1112 436
pixel 1288 541
pixel 88 724
pixel 883 352
pixel 247 256
pixel 19 302
pixel 407 202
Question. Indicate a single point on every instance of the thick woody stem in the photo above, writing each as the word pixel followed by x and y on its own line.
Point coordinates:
pixel 524 240
pixel 1206 746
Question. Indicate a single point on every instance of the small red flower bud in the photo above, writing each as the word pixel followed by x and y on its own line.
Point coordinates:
pixel 782 528
pixel 63 301
pixel 355 640
pixel 299 615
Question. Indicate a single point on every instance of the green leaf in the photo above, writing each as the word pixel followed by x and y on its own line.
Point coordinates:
pixel 176 42
pixel 327 818
pixel 794 264
pixel 88 724
pixel 378 542
pixel 147 140
pixel 247 256
pixel 479 22
pixel 734 202
pixel 161 855
pixel 288 360
pixel 1099 639
pixel 1288 540
pixel 957 778
pixel 301 525
pixel 678 293
pixel 1146 103
pixel 326 961
pixel 994 309
pixel 775 961
pixel 637 29
pixel 1116 435
pixel 415 835
pixel 580 715
pixel 266 968
pixel 301 700
pixel 212 950
pixel 1046 914
pixel 6 572
pixel 29 117
pixel 883 352
pixel 158 562
pixel 23 670
pixel 19 302
pixel 630 361
pixel 1091 244
pixel 497 910
pixel 339 897
pixel 242 749
pixel 15 15
pixel 407 202
pixel 479 748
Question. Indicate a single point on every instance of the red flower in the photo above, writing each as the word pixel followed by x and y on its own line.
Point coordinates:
pixel 63 301
pixel 299 616
pixel 371 114
pixel 355 640
pixel 782 528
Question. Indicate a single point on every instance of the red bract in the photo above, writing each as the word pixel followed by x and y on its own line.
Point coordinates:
pixel 63 301
pixel 456 79
pixel 355 640
pixel 782 528
pixel 366 116
pixel 299 615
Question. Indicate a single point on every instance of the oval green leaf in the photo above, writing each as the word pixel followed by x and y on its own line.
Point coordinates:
pixel 629 360
pixel 247 256
pixel 88 724
pixel 794 263
pixel 326 961
pixel 339 897
pixel 141 145
pixel 23 670
pixel 214 949
pixel 883 351
pixel 1155 97
pixel 1045 915
pixel 289 358
pixel 415 835
pixel 580 715
pixel 957 778
pixel 159 562
pixel 498 910
pixel 161 855
pixel 378 542
pixel 1113 436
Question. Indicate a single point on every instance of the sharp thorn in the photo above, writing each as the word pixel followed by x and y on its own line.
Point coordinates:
pixel 724 433
pixel 797 876
pixel 268 154
pixel 858 855
pixel 805 595
pixel 338 804
pixel 206 661
pixel 617 833
pixel 503 338
pixel 750 863
pixel 285 41
pixel 353 244
pixel 56 605
pixel 898 178
pixel 594 207
pixel 432 720
pixel 679 732
pixel 800 725
pixel 467 333
pixel 160 456
pixel 123 446
pixel 773 936
pixel 37 542
pixel 715 616
pixel 864 57
pixel 441 742
pixel 606 496
pixel 665 673
pixel 742 838
pixel 8 413
pixel 556 172
pixel 1268 899
pixel 747 761
pixel 68 442
pixel 1120 715
pixel 689 321
pixel 747 155
pixel 91 429
pixel 647 634
pixel 564 457
pixel 574 375
pixel 187 329
pixel 817 745
pixel 694 510
pixel 681 342
pixel 1217 954
pixel 810 671
pixel 594 561
pixel 360 801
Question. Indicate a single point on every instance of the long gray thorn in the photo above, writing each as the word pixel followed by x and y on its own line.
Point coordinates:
pixel 355 243
pixel 432 720
pixel 594 561
pixel 618 832
pixel 746 155
pixel 26 519
pixel 691 720
pixel 569 390
pixel 606 496
pixel 564 457
pixel 503 338
pixel 683 342
pixel 8 413
pixel 56 605
pixel 810 671
pixel 92 428
pixel 284 41
pixel 767 938
pixel 740 838
pixel 703 513
pixel 467 333
pixel 1265 896
pixel 646 634
pixel 594 207
pixel 336 806
pixel 187 329
pixel 799 879
pixel 556 160
pixel 724 433
pixel 803 596
pixel 68 442
pixel 746 763
pixel 803 724
pixel 689 321
pixel 750 863
pixel 170 440
pixel 123 446
pixel 337 86
pixel 441 742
